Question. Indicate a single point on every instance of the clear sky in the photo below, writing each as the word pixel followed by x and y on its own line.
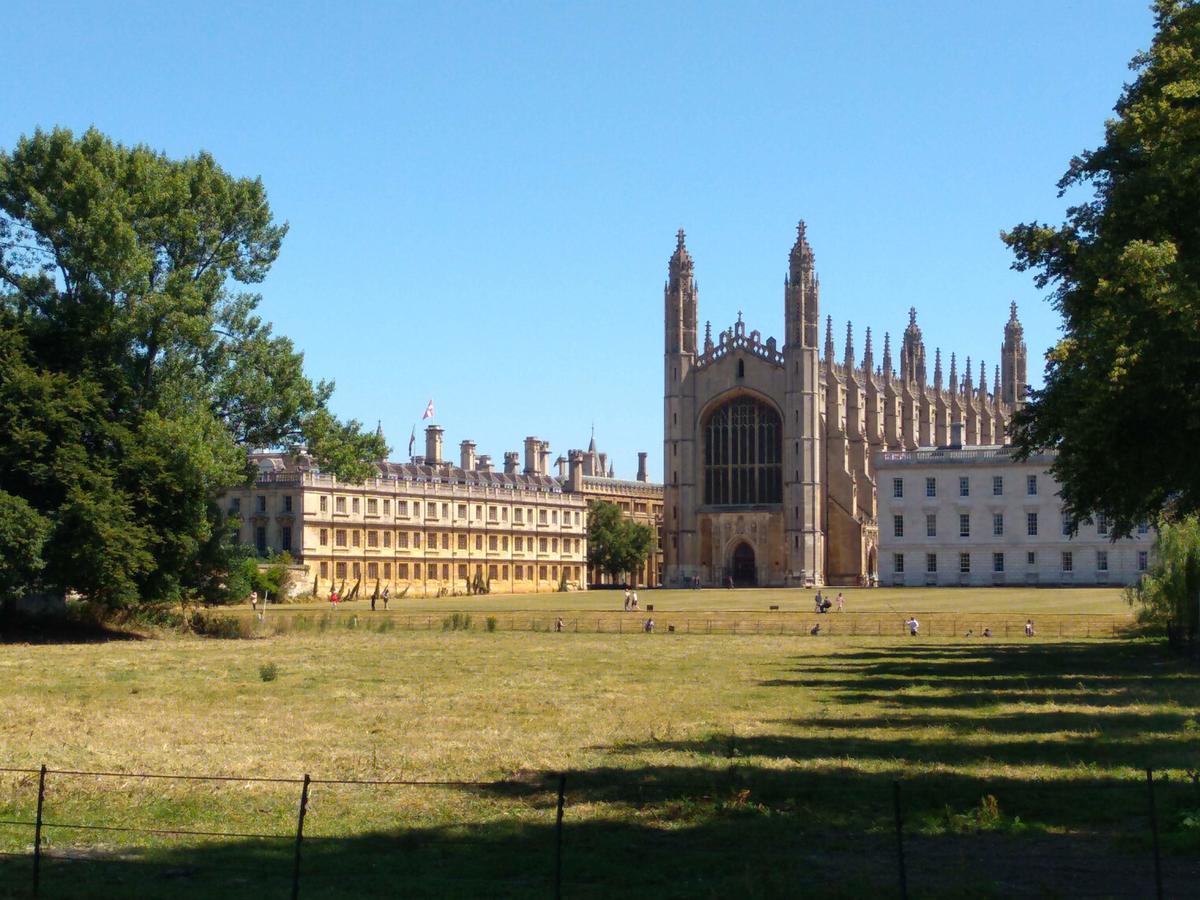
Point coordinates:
pixel 483 197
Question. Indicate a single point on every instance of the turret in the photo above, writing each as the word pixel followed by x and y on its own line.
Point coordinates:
pixel 912 352
pixel 849 361
pixel 829 341
pixel 937 369
pixel 802 290
pixel 868 362
pixel 887 357
pixel 680 300
pixel 1013 358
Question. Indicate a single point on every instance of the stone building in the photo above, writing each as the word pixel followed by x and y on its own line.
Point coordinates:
pixel 769 449
pixel 977 516
pixel 426 527
pixel 590 473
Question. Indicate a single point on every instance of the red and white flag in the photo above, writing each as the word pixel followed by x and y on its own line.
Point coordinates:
pixel 428 411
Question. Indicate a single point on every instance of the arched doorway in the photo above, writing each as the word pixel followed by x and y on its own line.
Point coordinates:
pixel 741 566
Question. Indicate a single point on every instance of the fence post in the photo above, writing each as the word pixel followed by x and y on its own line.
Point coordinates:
pixel 37 831
pixel 558 835
pixel 900 841
pixel 1158 884
pixel 299 838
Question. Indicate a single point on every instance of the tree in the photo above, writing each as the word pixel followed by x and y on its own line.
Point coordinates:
pixel 134 375
pixel 616 545
pixel 22 535
pixel 1170 591
pixel 1120 402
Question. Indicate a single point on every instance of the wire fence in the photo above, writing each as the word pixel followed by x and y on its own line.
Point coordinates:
pixel 961 625
pixel 560 834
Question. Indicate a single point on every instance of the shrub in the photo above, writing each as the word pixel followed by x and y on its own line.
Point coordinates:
pixel 491 623
pixel 268 671
pixel 217 626
pixel 457 622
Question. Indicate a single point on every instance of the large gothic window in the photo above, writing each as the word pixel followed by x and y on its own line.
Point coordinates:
pixel 743 453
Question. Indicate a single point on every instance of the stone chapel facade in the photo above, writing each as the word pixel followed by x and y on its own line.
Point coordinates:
pixel 769 450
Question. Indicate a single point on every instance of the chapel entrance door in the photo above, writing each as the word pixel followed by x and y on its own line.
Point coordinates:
pixel 742 567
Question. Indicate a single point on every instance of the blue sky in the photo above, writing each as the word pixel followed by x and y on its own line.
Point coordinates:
pixel 483 197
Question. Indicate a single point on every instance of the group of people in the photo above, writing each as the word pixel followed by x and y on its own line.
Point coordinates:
pixel 384 595
pixel 631 600
pixel 914 628
pixel 824 604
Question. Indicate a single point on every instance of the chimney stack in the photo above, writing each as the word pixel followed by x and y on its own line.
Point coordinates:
pixel 467 455
pixel 485 464
pixel 543 457
pixel 533 449
pixel 433 445
pixel 641 475
pixel 511 459
pixel 575 473
pixel 561 463
pixel 956 435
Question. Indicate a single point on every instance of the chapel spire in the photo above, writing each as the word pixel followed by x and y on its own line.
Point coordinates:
pixel 680 299
pixel 1013 361
pixel 849 361
pixel 802 291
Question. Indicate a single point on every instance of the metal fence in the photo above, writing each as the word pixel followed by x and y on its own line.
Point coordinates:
pixel 924 835
pixel 963 625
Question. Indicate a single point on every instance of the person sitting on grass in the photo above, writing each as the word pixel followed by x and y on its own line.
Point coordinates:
pixel 558 624
pixel 649 626
pixel 815 630
pixel 987 632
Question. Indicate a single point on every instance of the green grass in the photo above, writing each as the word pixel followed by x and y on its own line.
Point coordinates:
pixel 1017 599
pixel 756 765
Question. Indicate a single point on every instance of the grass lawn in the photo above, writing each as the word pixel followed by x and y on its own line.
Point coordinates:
pixel 756 765
pixel 903 601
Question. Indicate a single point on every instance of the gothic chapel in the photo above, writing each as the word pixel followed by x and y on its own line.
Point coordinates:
pixel 769 469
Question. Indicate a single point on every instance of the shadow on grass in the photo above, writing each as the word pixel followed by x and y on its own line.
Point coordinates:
pixel 681 831
pixel 806 810
pixel 18 629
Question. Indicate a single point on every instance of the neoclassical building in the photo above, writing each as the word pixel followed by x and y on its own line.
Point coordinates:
pixel 769 449
pixel 422 528
pixel 429 527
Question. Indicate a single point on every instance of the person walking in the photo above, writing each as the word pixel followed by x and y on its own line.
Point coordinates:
pixel 387 592
pixel 1029 628
pixel 841 602
pixel 254 600
pixel 914 626
pixel 627 599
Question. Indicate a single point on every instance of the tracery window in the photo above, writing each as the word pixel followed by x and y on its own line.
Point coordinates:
pixel 743 454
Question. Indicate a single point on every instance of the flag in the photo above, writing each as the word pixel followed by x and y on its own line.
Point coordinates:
pixel 428 411
pixel 412 440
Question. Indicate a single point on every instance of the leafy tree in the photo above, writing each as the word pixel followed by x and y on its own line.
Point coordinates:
pixel 1170 591
pixel 134 374
pixel 22 535
pixel 1120 402
pixel 616 545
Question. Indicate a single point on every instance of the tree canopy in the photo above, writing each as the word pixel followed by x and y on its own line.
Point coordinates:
pixel 134 374
pixel 1121 401
pixel 616 545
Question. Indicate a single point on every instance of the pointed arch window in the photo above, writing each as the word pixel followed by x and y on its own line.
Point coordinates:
pixel 743 454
